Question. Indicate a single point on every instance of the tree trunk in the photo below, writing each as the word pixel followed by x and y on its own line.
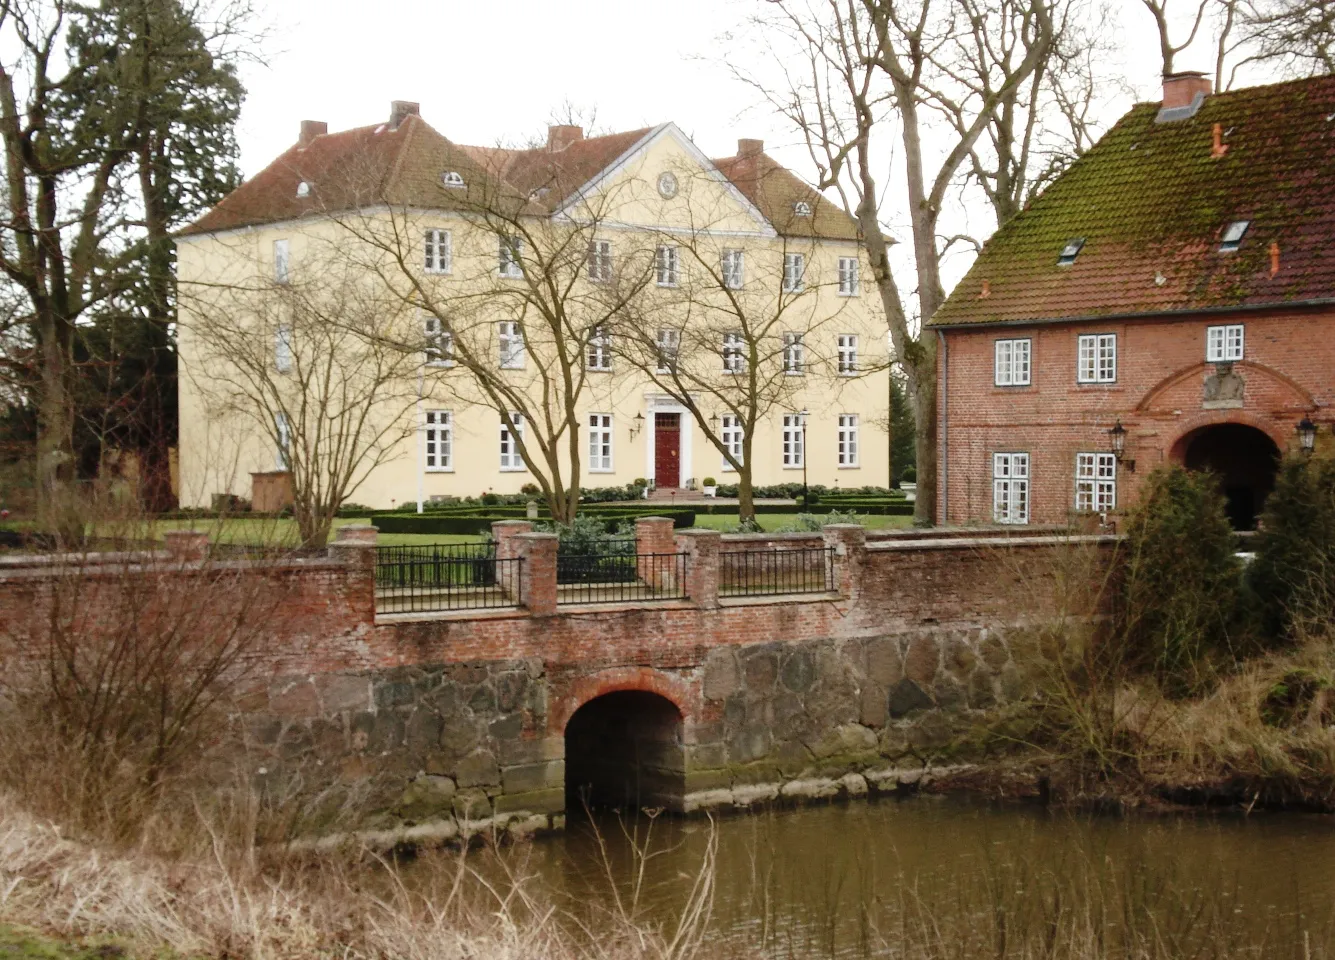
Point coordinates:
pixel 746 503
pixel 925 422
pixel 55 418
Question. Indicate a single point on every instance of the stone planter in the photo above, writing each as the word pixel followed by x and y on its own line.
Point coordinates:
pixel 910 491
pixel 709 491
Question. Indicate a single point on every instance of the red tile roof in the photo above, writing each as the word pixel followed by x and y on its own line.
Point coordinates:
pixel 1151 201
pixel 373 165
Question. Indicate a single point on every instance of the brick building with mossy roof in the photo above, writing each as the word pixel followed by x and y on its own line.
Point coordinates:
pixel 1169 298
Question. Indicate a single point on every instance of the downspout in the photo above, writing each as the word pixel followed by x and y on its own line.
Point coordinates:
pixel 943 466
pixel 421 443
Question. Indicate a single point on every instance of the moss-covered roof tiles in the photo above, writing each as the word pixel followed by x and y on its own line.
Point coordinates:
pixel 1152 200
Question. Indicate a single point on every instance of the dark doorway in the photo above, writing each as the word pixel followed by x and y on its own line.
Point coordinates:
pixel 1245 460
pixel 667 449
pixel 623 751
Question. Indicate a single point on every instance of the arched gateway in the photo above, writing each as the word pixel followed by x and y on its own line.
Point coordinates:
pixel 1245 459
pixel 624 750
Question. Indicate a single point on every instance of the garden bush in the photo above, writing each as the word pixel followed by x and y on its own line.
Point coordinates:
pixel 1293 575
pixel 1180 601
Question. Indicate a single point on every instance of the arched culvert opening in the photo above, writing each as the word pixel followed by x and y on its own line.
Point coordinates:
pixel 1244 458
pixel 624 751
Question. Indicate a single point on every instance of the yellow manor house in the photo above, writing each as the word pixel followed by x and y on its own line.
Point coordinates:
pixel 412 318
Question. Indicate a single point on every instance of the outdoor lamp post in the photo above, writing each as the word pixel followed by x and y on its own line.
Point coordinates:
pixel 1307 435
pixel 806 494
pixel 1117 441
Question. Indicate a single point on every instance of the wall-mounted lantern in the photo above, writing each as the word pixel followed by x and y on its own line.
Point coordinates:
pixel 1307 434
pixel 1117 443
pixel 636 425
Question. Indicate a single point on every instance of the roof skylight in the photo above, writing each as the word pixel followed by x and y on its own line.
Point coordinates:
pixel 452 178
pixel 802 209
pixel 1070 251
pixel 1233 234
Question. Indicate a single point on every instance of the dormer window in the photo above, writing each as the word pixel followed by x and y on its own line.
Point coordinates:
pixel 801 209
pixel 303 189
pixel 452 179
pixel 1233 234
pixel 1070 251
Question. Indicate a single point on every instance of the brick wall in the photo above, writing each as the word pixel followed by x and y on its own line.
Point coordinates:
pixel 1158 396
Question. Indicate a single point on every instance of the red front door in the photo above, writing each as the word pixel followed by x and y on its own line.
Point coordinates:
pixel 667 449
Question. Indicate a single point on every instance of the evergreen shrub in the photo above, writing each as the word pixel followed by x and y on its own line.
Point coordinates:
pixel 1293 575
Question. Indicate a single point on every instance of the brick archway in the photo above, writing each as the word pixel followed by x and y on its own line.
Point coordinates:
pixel 1244 456
pixel 1280 433
pixel 617 679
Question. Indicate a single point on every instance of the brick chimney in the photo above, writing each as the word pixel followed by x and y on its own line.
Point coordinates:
pixel 1180 89
pixel 310 129
pixel 400 110
pixel 562 135
pixel 750 148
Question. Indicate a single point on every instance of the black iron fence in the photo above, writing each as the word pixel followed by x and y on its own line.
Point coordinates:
pixel 461 576
pixel 611 571
pixel 755 573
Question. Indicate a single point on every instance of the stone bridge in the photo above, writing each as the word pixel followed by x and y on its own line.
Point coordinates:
pixel 447 721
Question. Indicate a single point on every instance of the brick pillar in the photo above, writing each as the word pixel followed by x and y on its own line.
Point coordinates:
pixel 850 543
pixel 538 573
pixel 187 546
pixel 654 535
pixel 702 565
pixel 504 533
pixel 354 546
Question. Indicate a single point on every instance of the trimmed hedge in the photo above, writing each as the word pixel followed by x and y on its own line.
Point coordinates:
pixel 480 520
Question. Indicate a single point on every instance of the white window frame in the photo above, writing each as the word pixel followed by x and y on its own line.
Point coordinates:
pixel 282 348
pixel 848 277
pixel 794 272
pixel 598 351
pixel 730 432
pixel 1096 358
pixel 794 452
pixel 438 251
pixel 1011 365
pixel 601 433
pixel 669 349
pixel 437 441
pixel 733 269
pixel 282 261
pixel 848 354
pixel 439 344
pixel 734 360
pixel 1224 343
pixel 513 356
pixel 283 457
pixel 667 265
pixel 600 261
pixel 849 441
pixel 794 355
pixel 1010 488
pixel 1095 482
pixel 512 427
pixel 509 255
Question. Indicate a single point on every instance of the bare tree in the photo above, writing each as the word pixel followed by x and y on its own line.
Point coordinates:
pixel 313 362
pixel 1159 10
pixel 870 71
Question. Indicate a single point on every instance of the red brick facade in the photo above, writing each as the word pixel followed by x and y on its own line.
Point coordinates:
pixel 1165 394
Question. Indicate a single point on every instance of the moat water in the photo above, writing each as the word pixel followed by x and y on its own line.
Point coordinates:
pixel 932 877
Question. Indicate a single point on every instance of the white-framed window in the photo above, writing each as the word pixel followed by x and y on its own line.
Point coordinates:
pixel 512 345
pixel 1223 344
pixel 600 443
pixel 793 449
pixel 734 269
pixel 794 272
pixel 438 441
pixel 848 353
pixel 509 251
pixel 283 430
pixel 600 261
pixel 438 251
pixel 794 355
pixel 734 361
pixel 1010 487
pixel 801 209
pixel 439 343
pixel 848 440
pixel 282 348
pixel 667 266
pixel 599 355
pixel 731 435
pixel 1011 366
pixel 1095 482
pixel 1097 358
pixel 669 348
pixel 452 179
pixel 282 260
pixel 512 427
pixel 848 276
